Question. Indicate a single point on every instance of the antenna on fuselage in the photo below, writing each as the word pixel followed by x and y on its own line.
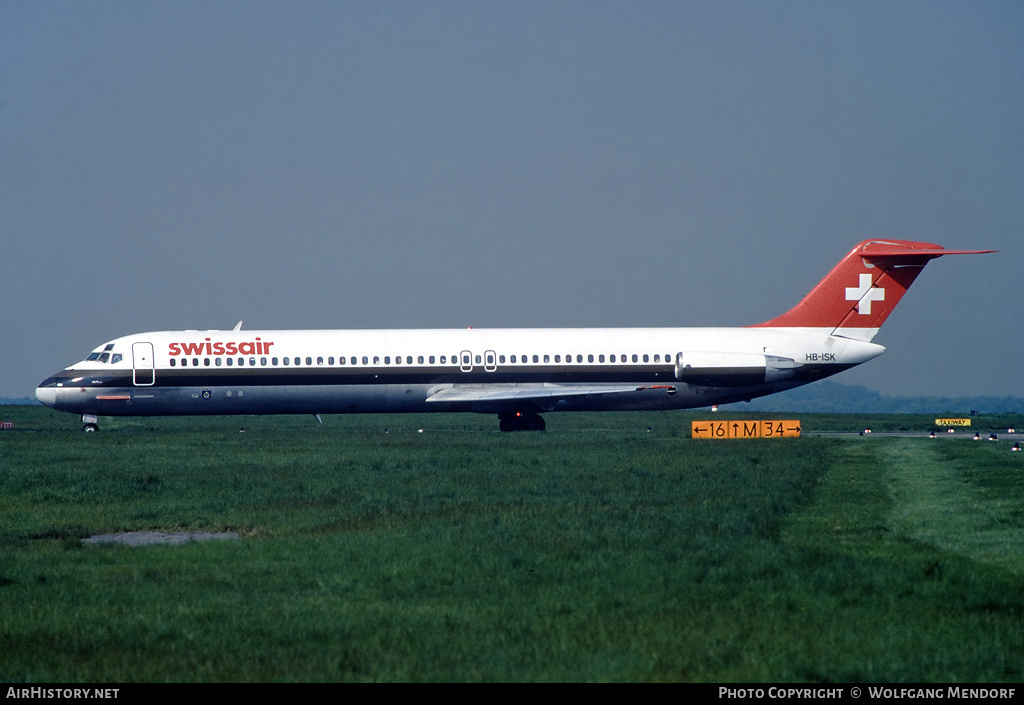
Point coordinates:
pixel 238 326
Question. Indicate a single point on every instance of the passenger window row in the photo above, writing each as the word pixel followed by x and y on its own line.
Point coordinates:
pixel 420 359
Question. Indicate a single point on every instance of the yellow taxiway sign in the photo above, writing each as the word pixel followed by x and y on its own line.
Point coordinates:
pixel 738 428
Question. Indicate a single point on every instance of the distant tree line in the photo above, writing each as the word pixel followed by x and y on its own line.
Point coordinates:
pixel 831 397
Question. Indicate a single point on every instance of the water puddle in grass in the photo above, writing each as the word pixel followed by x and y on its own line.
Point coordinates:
pixel 144 538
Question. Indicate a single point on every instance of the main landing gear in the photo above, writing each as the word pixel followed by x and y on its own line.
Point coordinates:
pixel 91 423
pixel 520 421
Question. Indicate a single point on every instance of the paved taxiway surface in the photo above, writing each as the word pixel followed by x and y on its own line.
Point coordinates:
pixel 959 435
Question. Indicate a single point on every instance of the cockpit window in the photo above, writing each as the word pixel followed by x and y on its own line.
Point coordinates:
pixel 105 356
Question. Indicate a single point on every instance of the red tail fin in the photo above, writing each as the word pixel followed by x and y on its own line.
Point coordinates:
pixel 862 290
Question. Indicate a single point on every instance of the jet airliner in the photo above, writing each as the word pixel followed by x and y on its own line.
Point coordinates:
pixel 517 374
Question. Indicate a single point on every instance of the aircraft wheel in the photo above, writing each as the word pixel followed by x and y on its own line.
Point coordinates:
pixel 90 428
pixel 521 421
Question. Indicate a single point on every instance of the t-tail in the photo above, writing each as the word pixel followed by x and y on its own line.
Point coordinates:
pixel 857 296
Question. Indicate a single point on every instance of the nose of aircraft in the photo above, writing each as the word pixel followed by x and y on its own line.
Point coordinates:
pixel 47 395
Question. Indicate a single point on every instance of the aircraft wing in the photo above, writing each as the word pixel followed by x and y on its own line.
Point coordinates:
pixel 530 392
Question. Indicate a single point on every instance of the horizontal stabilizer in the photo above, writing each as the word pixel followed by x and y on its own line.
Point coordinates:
pixel 877 250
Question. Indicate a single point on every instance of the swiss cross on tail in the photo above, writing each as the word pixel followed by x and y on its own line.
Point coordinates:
pixel 865 294
pixel 882 271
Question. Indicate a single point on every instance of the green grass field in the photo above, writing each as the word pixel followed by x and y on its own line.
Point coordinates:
pixel 597 551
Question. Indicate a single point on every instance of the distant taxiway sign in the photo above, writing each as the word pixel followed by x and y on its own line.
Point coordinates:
pixel 952 422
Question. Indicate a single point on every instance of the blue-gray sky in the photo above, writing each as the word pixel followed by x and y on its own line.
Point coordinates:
pixel 171 165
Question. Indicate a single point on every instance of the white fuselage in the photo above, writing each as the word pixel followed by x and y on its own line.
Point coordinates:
pixel 481 370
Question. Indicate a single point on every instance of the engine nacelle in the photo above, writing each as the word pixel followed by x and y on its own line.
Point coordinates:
pixel 733 369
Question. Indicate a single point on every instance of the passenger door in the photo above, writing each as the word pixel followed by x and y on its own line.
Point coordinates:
pixel 142 364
